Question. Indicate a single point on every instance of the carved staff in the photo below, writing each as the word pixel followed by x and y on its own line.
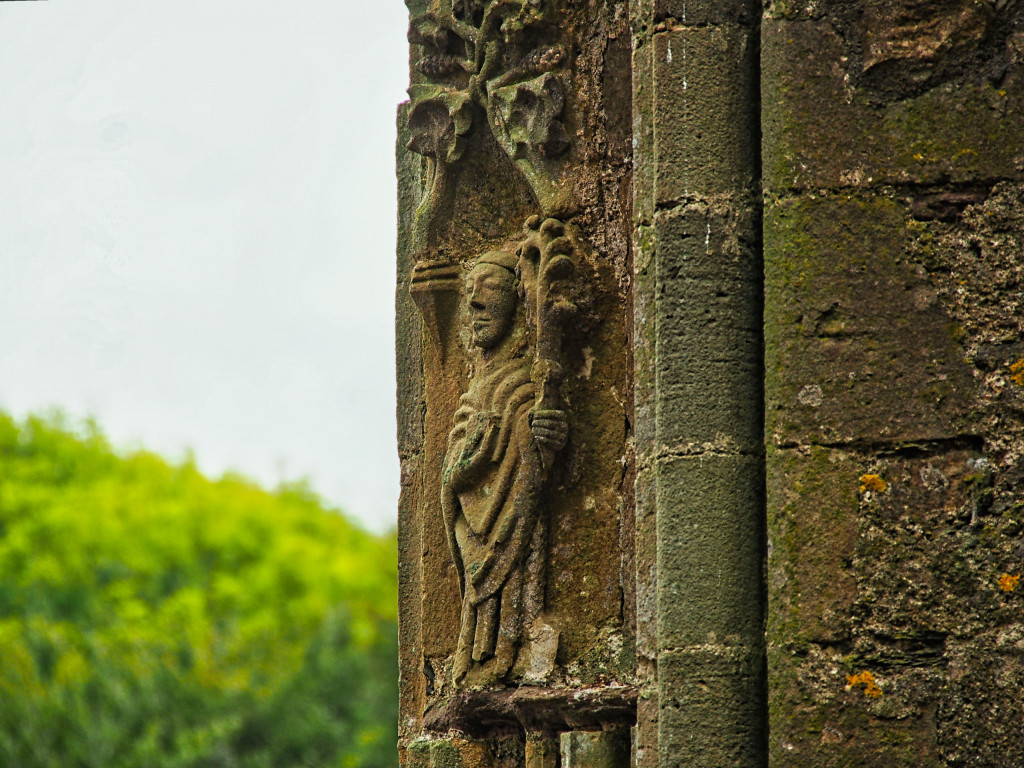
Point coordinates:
pixel 548 274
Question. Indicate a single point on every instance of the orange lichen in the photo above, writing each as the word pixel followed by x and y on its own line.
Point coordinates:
pixel 865 678
pixel 1008 583
pixel 872 483
pixel 1017 373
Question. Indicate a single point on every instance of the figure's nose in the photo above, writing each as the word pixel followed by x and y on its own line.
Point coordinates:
pixel 476 304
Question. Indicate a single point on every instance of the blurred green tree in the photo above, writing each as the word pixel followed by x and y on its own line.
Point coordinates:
pixel 152 617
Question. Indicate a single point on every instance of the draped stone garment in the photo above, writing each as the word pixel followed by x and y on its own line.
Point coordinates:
pixel 490 487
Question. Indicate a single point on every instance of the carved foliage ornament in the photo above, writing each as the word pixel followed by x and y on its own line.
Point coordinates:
pixel 509 430
pixel 496 62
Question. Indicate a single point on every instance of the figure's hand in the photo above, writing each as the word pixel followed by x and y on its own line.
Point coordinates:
pixel 550 429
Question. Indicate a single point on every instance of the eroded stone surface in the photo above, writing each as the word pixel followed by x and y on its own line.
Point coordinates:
pixel 892 249
pixel 824 129
pixel 860 349
pixel 517 540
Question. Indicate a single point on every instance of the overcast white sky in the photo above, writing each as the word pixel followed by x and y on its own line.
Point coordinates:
pixel 197 231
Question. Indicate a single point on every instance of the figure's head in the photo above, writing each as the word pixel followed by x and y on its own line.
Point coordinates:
pixel 491 291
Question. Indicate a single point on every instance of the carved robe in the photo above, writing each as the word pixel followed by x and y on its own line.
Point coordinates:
pixel 490 492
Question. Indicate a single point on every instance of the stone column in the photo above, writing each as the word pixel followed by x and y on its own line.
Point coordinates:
pixel 893 240
pixel 700 504
pixel 642 244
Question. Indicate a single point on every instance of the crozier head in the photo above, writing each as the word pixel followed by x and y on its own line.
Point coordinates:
pixel 492 297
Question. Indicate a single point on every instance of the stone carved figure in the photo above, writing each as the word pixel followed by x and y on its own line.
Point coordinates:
pixel 507 431
pixel 493 477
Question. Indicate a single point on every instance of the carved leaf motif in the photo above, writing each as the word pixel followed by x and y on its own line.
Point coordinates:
pixel 502 55
pixel 446 48
pixel 528 117
pixel 439 124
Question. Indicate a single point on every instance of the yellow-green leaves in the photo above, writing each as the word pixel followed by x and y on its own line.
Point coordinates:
pixel 149 612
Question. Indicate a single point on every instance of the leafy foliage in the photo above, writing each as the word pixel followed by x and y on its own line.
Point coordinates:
pixel 152 617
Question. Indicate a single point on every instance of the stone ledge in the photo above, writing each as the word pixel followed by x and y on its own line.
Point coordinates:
pixel 547 710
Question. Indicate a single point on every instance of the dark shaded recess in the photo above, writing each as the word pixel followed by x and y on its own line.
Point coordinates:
pixel 946 206
pixel 469 11
pixel 934 42
pixel 991 357
pixel 925 648
pixel 924 448
pixel 428 673
pixel 535 710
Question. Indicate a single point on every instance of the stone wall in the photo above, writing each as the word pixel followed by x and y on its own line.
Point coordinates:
pixel 710 346
pixel 893 161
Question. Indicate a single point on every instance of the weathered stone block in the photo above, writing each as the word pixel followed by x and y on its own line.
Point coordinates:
pixel 892 622
pixel 708 341
pixel 971 244
pixel 705 693
pixel 812 540
pixel 935 533
pixel 981 710
pixel 705 113
pixel 459 753
pixel 710 551
pixel 818 719
pixel 698 13
pixel 416 754
pixel 596 749
pixel 857 348
pixel 826 127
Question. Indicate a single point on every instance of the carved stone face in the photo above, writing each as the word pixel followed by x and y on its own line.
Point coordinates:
pixel 492 304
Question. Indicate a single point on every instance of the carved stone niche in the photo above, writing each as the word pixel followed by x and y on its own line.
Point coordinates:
pixel 518 611
pixel 514 500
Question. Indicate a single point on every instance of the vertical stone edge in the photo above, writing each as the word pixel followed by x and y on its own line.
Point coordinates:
pixel 409 379
pixel 645 733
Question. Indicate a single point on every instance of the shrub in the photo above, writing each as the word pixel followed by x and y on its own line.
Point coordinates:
pixel 150 616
